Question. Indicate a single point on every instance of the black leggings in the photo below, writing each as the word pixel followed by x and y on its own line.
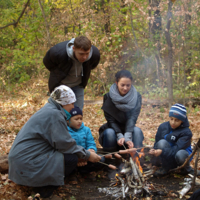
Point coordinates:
pixel 70 162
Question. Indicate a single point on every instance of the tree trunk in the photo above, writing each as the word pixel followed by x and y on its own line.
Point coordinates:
pixel 155 30
pixel 106 11
pixel 170 54
pixel 46 24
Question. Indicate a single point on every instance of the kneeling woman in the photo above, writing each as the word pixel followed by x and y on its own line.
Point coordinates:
pixel 121 108
pixel 43 152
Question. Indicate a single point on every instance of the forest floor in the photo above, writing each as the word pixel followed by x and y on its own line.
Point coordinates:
pixel 17 106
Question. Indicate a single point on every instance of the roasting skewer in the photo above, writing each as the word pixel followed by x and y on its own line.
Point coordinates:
pixel 129 150
pixel 124 146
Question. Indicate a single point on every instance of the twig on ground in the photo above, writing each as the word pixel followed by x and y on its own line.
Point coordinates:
pixel 195 172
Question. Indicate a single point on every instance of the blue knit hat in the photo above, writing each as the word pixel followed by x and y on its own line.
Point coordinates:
pixel 178 111
pixel 76 111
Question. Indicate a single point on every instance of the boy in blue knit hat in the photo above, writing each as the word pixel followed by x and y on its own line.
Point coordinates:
pixel 173 142
pixel 83 137
pixel 79 132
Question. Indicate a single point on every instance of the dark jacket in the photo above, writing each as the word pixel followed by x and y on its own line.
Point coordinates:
pixel 180 138
pixel 59 64
pixel 118 120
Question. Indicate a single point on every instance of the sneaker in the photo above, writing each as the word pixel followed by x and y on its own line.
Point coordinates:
pixel 72 179
pixel 160 172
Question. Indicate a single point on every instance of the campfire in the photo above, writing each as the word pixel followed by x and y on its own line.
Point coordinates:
pixel 132 179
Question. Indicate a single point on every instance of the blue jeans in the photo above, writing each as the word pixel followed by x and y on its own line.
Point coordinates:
pixel 79 92
pixel 180 156
pixel 110 139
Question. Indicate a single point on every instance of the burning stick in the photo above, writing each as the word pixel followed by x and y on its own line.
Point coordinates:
pixel 123 189
pixel 125 170
pixel 135 171
pixel 139 172
pixel 150 172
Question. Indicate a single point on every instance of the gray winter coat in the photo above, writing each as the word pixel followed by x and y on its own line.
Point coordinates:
pixel 36 157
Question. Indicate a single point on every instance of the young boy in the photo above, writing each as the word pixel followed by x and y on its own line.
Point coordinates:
pixel 79 132
pixel 173 142
pixel 83 137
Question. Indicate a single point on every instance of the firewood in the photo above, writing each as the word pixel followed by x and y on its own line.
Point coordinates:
pixel 123 188
pixel 184 190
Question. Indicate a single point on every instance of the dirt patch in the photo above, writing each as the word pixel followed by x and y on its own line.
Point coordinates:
pixel 165 188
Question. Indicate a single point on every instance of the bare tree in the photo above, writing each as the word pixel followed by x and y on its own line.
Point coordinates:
pixel 155 30
pixel 46 24
pixel 15 23
pixel 170 53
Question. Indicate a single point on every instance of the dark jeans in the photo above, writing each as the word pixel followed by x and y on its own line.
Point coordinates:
pixel 110 139
pixel 79 92
pixel 180 156
pixel 70 162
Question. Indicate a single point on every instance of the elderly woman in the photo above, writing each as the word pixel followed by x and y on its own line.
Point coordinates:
pixel 121 108
pixel 44 153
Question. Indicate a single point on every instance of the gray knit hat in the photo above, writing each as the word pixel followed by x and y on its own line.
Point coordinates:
pixel 178 111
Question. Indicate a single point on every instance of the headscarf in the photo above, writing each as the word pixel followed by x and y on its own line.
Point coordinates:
pixel 126 102
pixel 63 95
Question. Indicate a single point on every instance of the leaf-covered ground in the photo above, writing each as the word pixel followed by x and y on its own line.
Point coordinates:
pixel 17 106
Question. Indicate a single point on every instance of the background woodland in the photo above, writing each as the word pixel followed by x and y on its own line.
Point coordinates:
pixel 158 41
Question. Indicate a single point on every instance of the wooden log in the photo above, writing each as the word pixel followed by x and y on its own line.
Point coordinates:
pixel 3 164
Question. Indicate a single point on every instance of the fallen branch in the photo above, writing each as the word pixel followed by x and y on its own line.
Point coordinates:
pixel 195 172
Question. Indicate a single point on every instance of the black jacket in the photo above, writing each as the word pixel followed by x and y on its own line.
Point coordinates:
pixel 59 64
pixel 180 138
pixel 120 121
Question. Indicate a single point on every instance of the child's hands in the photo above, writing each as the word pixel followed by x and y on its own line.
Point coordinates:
pixel 155 152
pixel 94 157
pixel 81 163
pixel 91 150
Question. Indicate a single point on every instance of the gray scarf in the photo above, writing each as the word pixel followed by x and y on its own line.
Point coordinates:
pixel 123 103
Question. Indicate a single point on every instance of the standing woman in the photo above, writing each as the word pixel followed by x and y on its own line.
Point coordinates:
pixel 121 106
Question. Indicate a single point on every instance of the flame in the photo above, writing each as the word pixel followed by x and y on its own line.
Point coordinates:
pixel 138 164
pixel 141 153
pixel 136 158
pixel 132 153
